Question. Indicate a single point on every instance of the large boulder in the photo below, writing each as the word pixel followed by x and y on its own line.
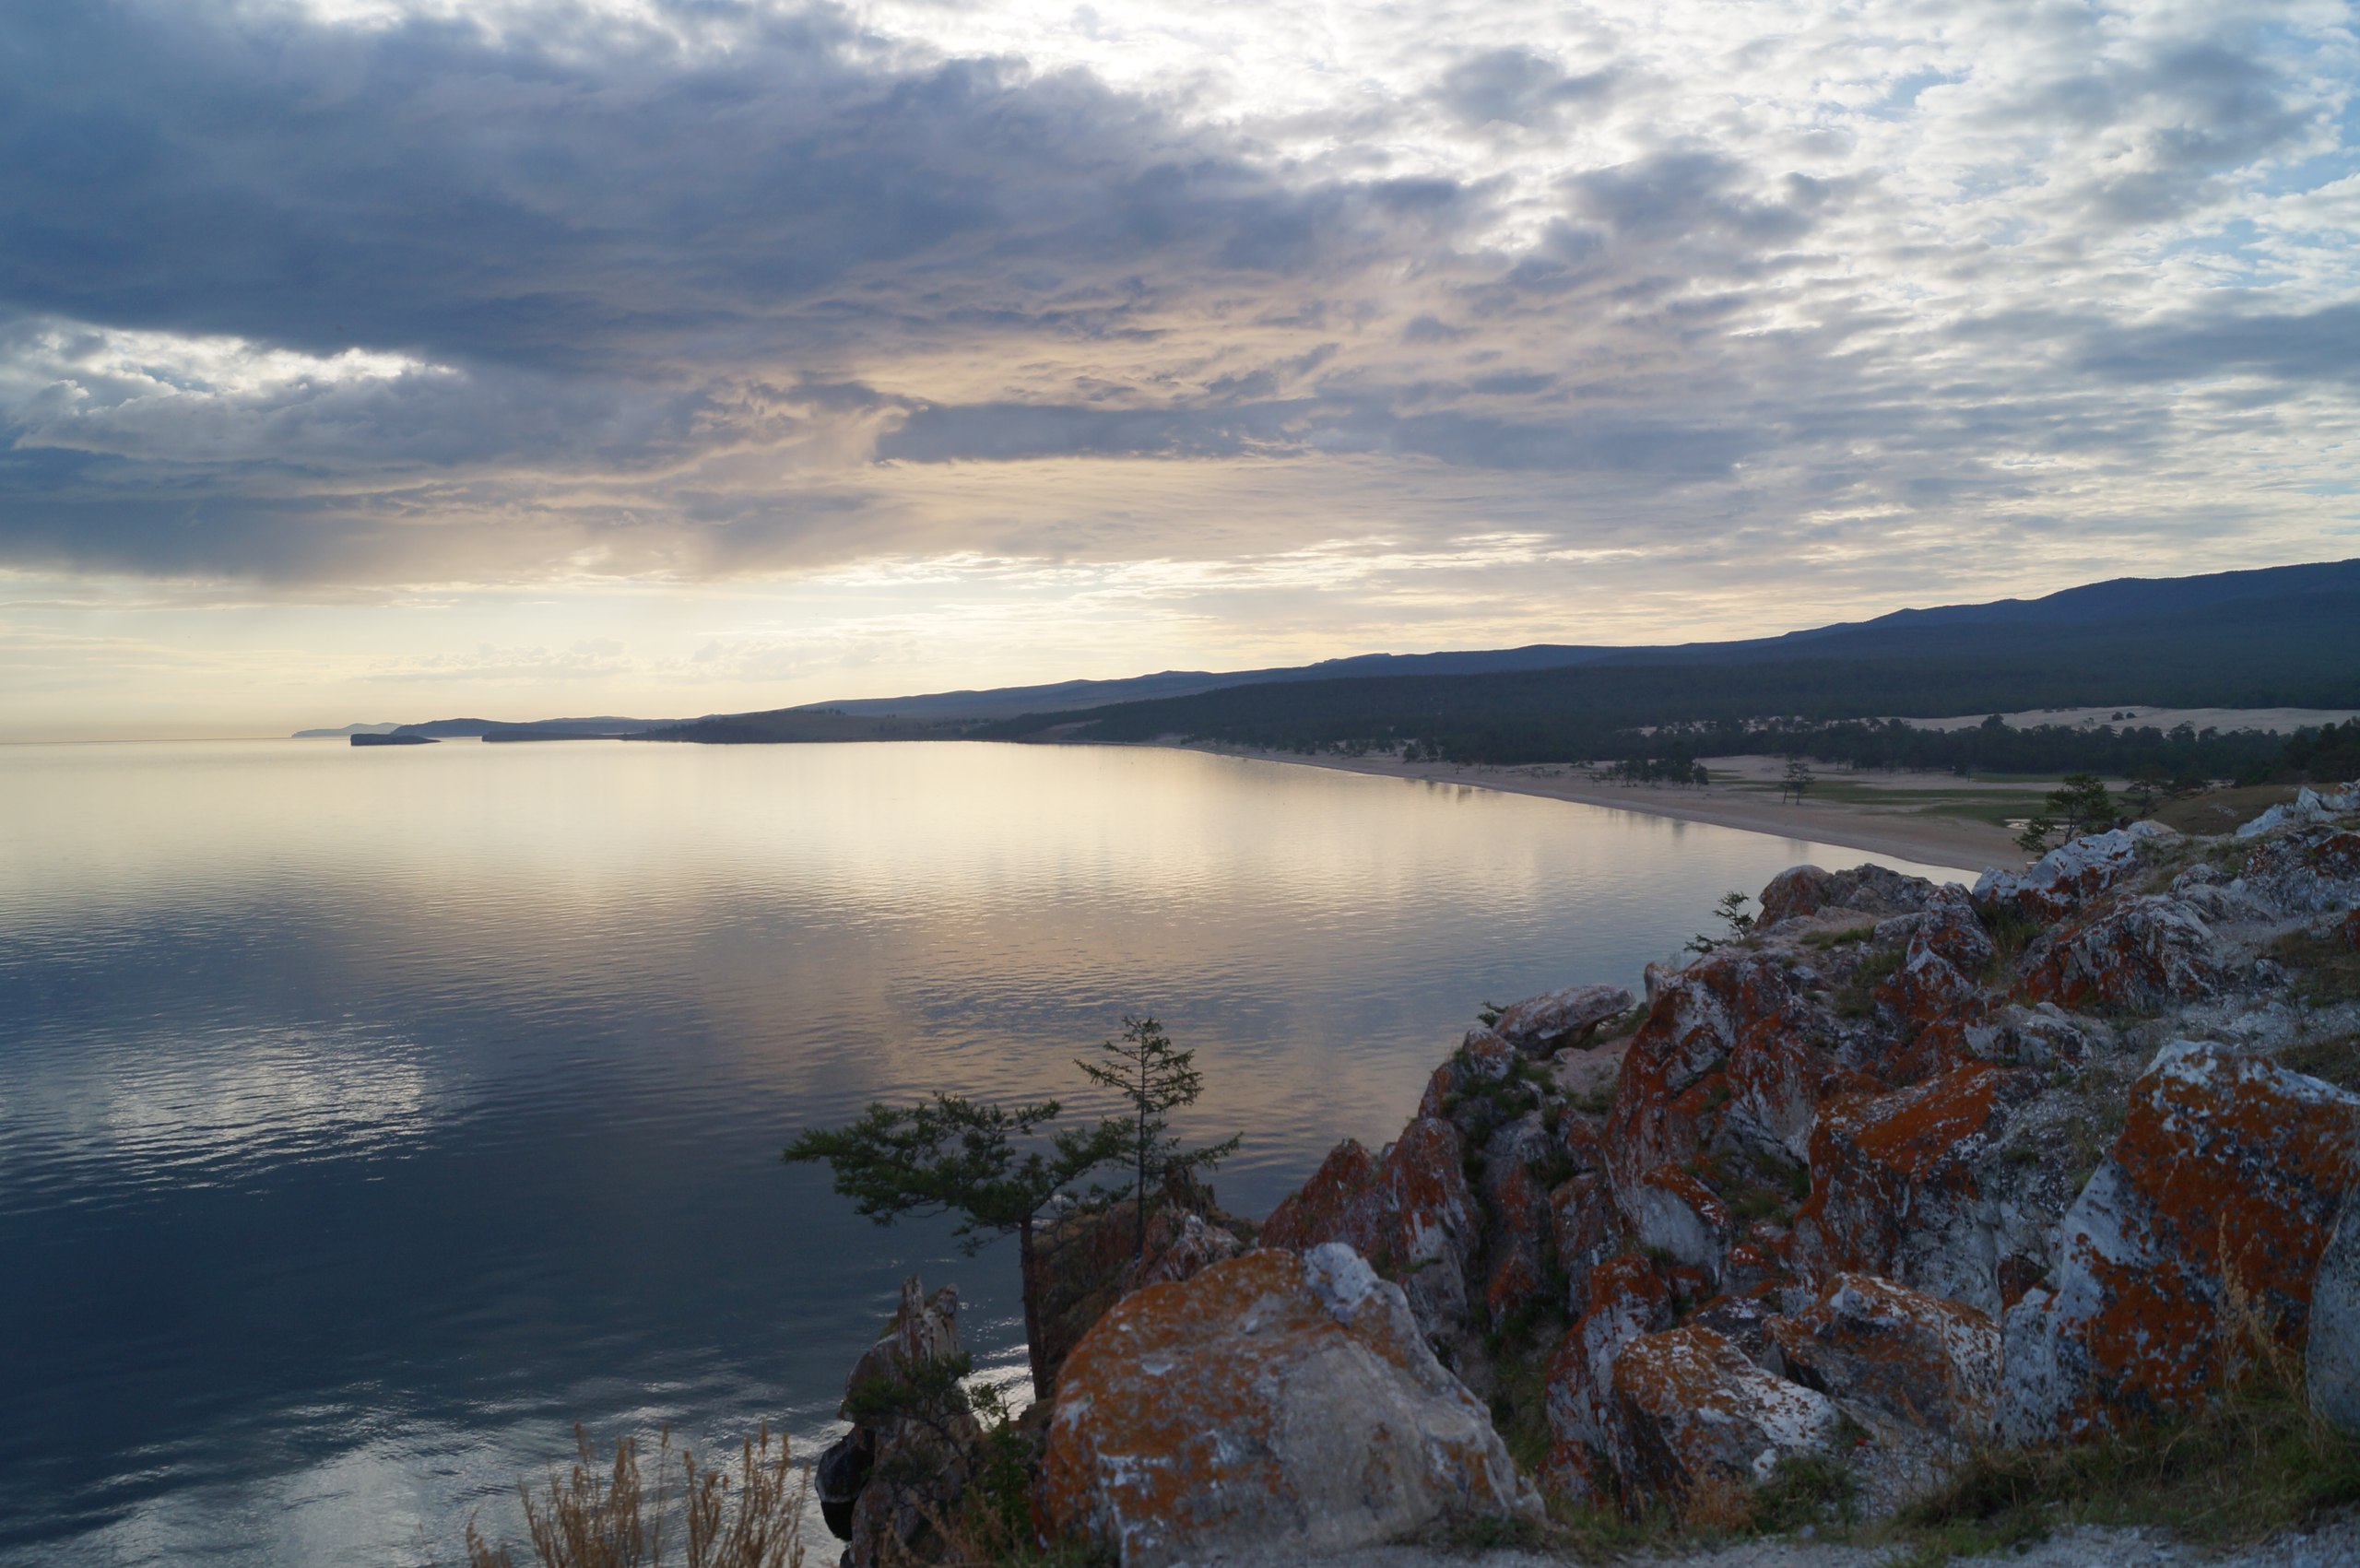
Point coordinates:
pixel 1541 1026
pixel 1693 1408
pixel 2306 873
pixel 1948 928
pixel 1909 1185
pixel 1088 1258
pixel 2136 956
pixel 1806 892
pixel 2073 874
pixel 1272 1409
pixel 1734 1020
pixel 1918 1359
pixel 1674 1212
pixel 2204 1226
pixel 1518 1242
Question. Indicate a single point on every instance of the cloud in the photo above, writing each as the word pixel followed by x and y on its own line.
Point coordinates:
pixel 2317 345
pixel 1519 87
pixel 338 301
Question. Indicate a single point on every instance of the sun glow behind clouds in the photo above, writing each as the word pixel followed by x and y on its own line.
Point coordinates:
pixel 919 346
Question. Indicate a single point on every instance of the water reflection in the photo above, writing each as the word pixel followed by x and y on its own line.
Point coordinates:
pixel 366 1117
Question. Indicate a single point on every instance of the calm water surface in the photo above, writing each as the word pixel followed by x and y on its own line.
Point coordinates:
pixel 367 1117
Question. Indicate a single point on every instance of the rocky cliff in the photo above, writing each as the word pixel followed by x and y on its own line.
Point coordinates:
pixel 1910 1169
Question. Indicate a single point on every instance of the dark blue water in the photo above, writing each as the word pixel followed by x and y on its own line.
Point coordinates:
pixel 369 1117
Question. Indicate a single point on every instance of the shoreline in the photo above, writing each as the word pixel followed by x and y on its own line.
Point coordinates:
pixel 1903 832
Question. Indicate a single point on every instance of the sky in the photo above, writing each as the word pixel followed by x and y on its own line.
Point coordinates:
pixel 390 359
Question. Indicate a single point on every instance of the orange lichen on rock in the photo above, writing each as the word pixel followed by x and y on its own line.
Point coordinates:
pixel 2205 1223
pixel 1411 1214
pixel 1274 1407
pixel 1693 1409
pixel 1897 1182
pixel 1333 1206
pixel 1931 1362
pixel 1628 1297
pixel 2137 955
pixel 1521 1222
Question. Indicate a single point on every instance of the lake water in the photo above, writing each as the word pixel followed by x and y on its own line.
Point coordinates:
pixel 367 1117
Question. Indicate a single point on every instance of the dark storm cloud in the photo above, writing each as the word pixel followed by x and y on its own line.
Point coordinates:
pixel 599 240
pixel 572 200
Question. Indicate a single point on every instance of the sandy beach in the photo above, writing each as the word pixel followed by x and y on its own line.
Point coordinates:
pixel 1735 799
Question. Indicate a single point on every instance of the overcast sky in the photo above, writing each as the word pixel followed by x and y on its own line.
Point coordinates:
pixel 373 359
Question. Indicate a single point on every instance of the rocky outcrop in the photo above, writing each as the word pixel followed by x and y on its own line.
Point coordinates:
pixel 2313 872
pixel 1806 892
pixel 1693 1408
pixel 1628 1297
pixel 1918 1359
pixel 1542 1026
pixel 1410 1213
pixel 1904 1171
pixel 2308 807
pixel 907 1456
pixel 2204 1226
pixel 2073 874
pixel 1273 1408
pixel 2332 1356
pixel 1909 1185
pixel 1088 1258
pixel 2136 956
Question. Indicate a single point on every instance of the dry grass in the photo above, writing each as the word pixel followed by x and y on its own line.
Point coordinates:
pixel 2335 1061
pixel 599 1516
pixel 2325 971
pixel 2256 1459
pixel 2222 810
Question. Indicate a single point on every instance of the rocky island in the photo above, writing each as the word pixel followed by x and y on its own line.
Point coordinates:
pixel 1895 1176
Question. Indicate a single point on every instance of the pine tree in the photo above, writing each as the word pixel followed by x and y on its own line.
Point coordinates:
pixel 995 1167
pixel 1157 1079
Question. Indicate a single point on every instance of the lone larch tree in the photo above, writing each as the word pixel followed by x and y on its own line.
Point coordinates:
pixel 1156 1077
pixel 996 1167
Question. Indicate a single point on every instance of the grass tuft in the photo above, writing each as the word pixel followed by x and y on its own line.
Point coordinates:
pixel 597 1516
pixel 2255 1461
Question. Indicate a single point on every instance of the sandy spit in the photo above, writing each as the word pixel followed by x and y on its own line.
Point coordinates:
pixel 1898 830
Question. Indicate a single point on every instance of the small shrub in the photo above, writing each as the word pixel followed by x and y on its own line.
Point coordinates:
pixel 1806 1488
pixel 2010 932
pixel 1856 997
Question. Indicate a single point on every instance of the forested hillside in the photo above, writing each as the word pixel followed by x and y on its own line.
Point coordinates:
pixel 2299 649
